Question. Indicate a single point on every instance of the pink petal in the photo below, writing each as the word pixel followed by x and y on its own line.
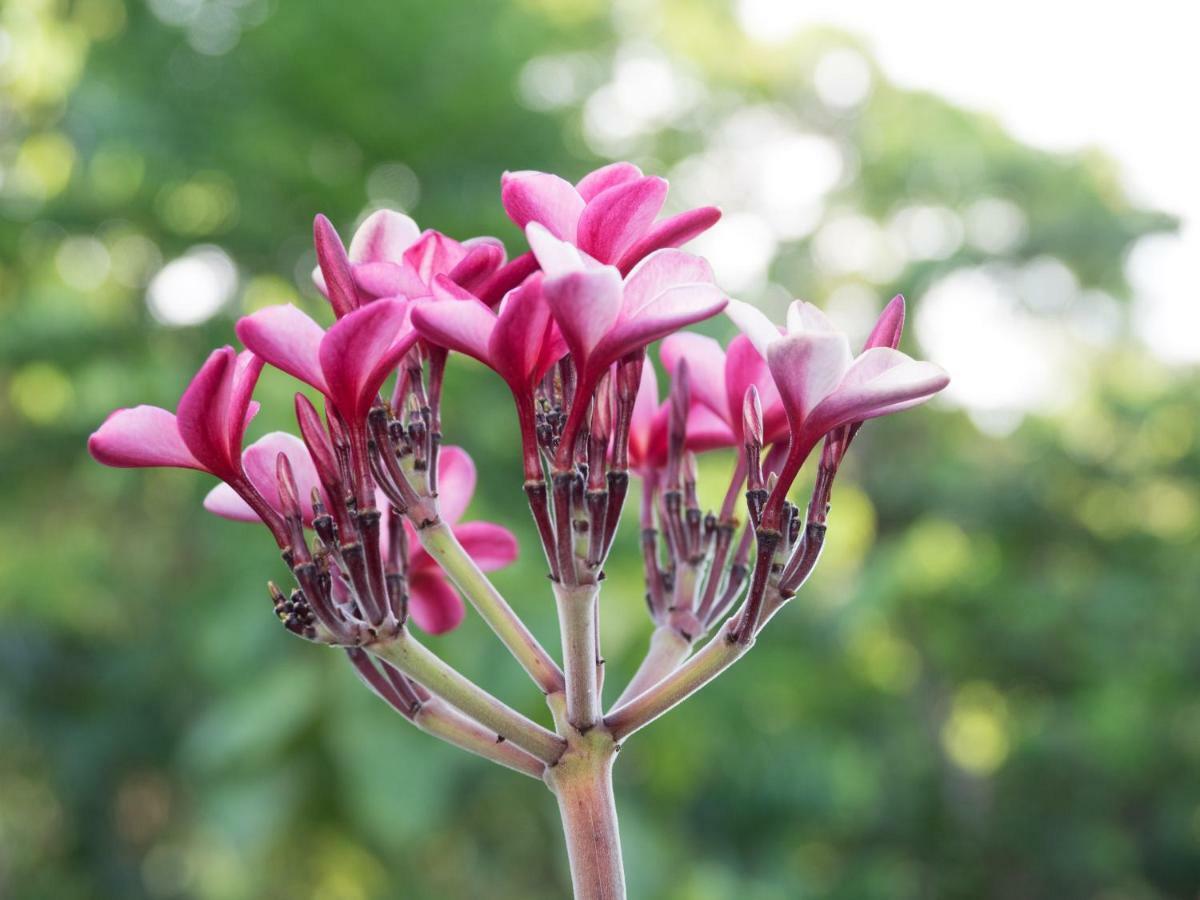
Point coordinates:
pixel 889 326
pixel 806 368
pixel 359 352
pixel 456 483
pixel 241 407
pixel 203 415
pixel 138 437
pixel 802 316
pixel 491 546
pixel 444 288
pixel 618 216
pixel 388 279
pixel 463 326
pixel 433 254
pixel 555 256
pixel 645 408
pixel 383 236
pixel 484 256
pixel 287 339
pixel 259 462
pixel 518 345
pixel 744 366
pixel 335 267
pixel 506 278
pixel 433 604
pixel 706 368
pixel 708 431
pixel 585 305
pixel 224 501
pixel 542 198
pixel 753 323
pixel 674 231
pixel 660 271
pixel 605 177
pixel 676 307
pixel 880 381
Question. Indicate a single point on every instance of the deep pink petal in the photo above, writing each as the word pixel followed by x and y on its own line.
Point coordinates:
pixel 456 483
pixel 585 305
pixel 518 345
pixel 241 406
pixel 659 272
pixel 507 277
pixel 708 431
pixel 433 604
pixel 745 366
pixel 605 177
pixel 389 279
pixel 491 546
pixel 433 254
pixel 203 415
pixel 706 368
pixel 141 436
pixel 806 368
pixel 287 339
pixel 359 352
pixel 674 231
pixel 463 326
pixel 542 198
pixel 889 326
pixel 224 501
pixel 484 256
pixel 618 216
pixel 335 267
pixel 383 236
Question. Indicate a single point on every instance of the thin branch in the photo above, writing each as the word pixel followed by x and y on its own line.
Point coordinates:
pixel 577 621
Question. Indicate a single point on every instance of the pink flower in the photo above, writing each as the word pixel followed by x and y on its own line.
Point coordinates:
pixel 719 380
pixel 609 215
pixel 603 318
pixel 433 603
pixel 390 257
pixel 823 386
pixel 348 363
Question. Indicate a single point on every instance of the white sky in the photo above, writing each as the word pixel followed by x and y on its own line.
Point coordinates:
pixel 1061 74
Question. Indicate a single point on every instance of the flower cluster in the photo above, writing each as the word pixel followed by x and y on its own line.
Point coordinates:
pixel 365 503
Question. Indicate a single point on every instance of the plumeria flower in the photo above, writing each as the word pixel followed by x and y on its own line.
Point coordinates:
pixel 390 256
pixel 823 386
pixel 609 215
pixel 603 317
pixel 720 378
pixel 204 433
pixel 433 603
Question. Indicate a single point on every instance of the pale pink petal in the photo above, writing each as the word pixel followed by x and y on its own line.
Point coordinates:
pixel 359 352
pixel 287 339
pixel 889 326
pixel 708 431
pixel 225 502
pixel 605 177
pixel 141 436
pixel 660 271
pixel 585 305
pixel 433 254
pixel 802 316
pixel 456 483
pixel 462 326
pixel 383 236
pixel 334 266
pixel 618 216
pixel 807 367
pixel 706 367
pixel 674 308
pixel 674 231
pixel 432 603
pixel 388 279
pixel 491 546
pixel 555 256
pixel 260 459
pixel 880 381
pixel 753 323
pixel 542 198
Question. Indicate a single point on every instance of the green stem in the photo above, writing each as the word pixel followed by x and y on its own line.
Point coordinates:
pixel 419 663
pixel 439 541
pixel 440 719
pixel 577 622
pixel 714 658
pixel 668 649
pixel 582 784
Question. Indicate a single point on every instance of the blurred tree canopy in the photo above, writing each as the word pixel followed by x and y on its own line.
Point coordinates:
pixel 987 690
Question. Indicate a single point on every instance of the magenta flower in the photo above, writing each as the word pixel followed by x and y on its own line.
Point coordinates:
pixel 348 363
pixel 823 386
pixel 609 215
pixel 603 317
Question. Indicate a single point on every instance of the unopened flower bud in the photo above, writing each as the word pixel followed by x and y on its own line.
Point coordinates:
pixel 752 418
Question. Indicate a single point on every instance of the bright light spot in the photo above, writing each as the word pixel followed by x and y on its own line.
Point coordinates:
pixel 82 262
pixel 842 79
pixel 771 21
pixel 975 734
pixel 1003 360
pixel 43 166
pixel 995 225
pixel 852 244
pixel 854 307
pixel 1096 318
pixel 1047 285
pixel 41 392
pixel 214 31
pixel 646 93
pixel 393 186
pixel 740 248
pixel 192 288
pixel 134 256
pixel 1165 272
pixel 551 82
pixel 929 232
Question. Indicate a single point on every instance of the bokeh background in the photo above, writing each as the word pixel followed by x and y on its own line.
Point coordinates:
pixel 988 690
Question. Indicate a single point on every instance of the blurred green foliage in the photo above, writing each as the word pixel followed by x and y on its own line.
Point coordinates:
pixel 987 690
